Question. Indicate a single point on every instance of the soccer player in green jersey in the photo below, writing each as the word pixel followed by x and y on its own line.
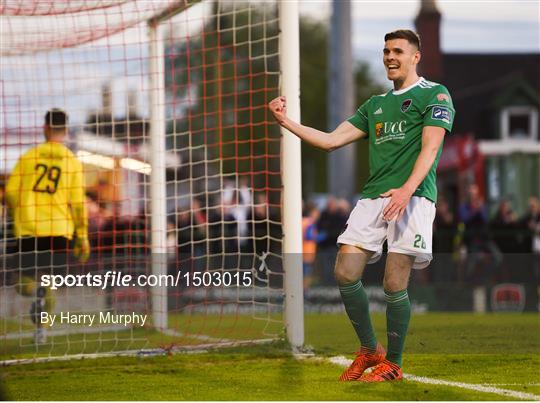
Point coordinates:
pixel 46 195
pixel 405 128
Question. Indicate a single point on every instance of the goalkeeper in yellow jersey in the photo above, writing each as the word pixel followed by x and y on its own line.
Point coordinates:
pixel 46 194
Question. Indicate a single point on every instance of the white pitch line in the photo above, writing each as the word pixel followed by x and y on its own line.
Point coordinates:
pixel 512 384
pixel 65 331
pixel 176 333
pixel 137 353
pixel 345 362
pixel 475 387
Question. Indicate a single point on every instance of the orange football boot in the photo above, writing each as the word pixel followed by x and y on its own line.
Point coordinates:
pixel 385 371
pixel 365 358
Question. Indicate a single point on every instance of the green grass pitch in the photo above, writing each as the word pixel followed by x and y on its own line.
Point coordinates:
pixel 502 350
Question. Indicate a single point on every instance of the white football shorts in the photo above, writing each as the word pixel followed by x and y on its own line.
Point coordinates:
pixel 411 235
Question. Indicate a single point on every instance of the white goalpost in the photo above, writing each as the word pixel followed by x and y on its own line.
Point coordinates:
pixel 188 179
pixel 158 187
pixel 292 175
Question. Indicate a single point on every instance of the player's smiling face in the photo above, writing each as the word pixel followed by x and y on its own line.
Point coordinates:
pixel 400 59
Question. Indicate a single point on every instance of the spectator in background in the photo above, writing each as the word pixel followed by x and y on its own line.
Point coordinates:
pixel 222 233
pixel 445 226
pixel 444 232
pixel 530 223
pixel 98 216
pixel 189 231
pixel 239 201
pixel 344 208
pixel 123 245
pixel 476 237
pixel 504 228
pixel 331 223
pixel 190 227
pixel 309 242
pixel 124 236
pixel 264 237
pixel 258 220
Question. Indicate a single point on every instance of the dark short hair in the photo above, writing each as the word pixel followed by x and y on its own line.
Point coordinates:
pixel 56 119
pixel 412 37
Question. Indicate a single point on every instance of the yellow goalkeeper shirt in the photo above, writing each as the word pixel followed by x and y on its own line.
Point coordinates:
pixel 46 193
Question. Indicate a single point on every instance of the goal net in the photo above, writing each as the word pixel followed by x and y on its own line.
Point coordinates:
pixel 167 112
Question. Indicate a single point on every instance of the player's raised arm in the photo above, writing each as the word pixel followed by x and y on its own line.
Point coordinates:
pixel 344 134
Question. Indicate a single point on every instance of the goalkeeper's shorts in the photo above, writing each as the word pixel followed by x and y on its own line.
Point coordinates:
pixel 411 235
pixel 38 255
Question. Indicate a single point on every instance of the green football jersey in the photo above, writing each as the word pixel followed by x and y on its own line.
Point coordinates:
pixel 394 123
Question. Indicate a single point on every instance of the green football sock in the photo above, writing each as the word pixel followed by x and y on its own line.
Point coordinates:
pixel 357 306
pixel 398 315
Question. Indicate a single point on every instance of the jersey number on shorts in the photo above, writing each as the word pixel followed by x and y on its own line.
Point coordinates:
pixel 419 241
pixel 48 179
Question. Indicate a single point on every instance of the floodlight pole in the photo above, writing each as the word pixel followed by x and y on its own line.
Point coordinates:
pixel 158 190
pixel 340 105
pixel 289 45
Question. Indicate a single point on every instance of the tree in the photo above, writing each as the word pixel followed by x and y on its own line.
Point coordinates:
pixel 226 75
pixel 222 79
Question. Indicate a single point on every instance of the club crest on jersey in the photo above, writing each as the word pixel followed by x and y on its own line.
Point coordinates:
pixel 389 131
pixel 378 129
pixel 406 105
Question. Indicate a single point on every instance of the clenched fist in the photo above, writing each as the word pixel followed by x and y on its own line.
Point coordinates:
pixel 278 107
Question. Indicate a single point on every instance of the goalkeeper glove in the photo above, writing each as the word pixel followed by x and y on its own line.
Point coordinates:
pixel 81 249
